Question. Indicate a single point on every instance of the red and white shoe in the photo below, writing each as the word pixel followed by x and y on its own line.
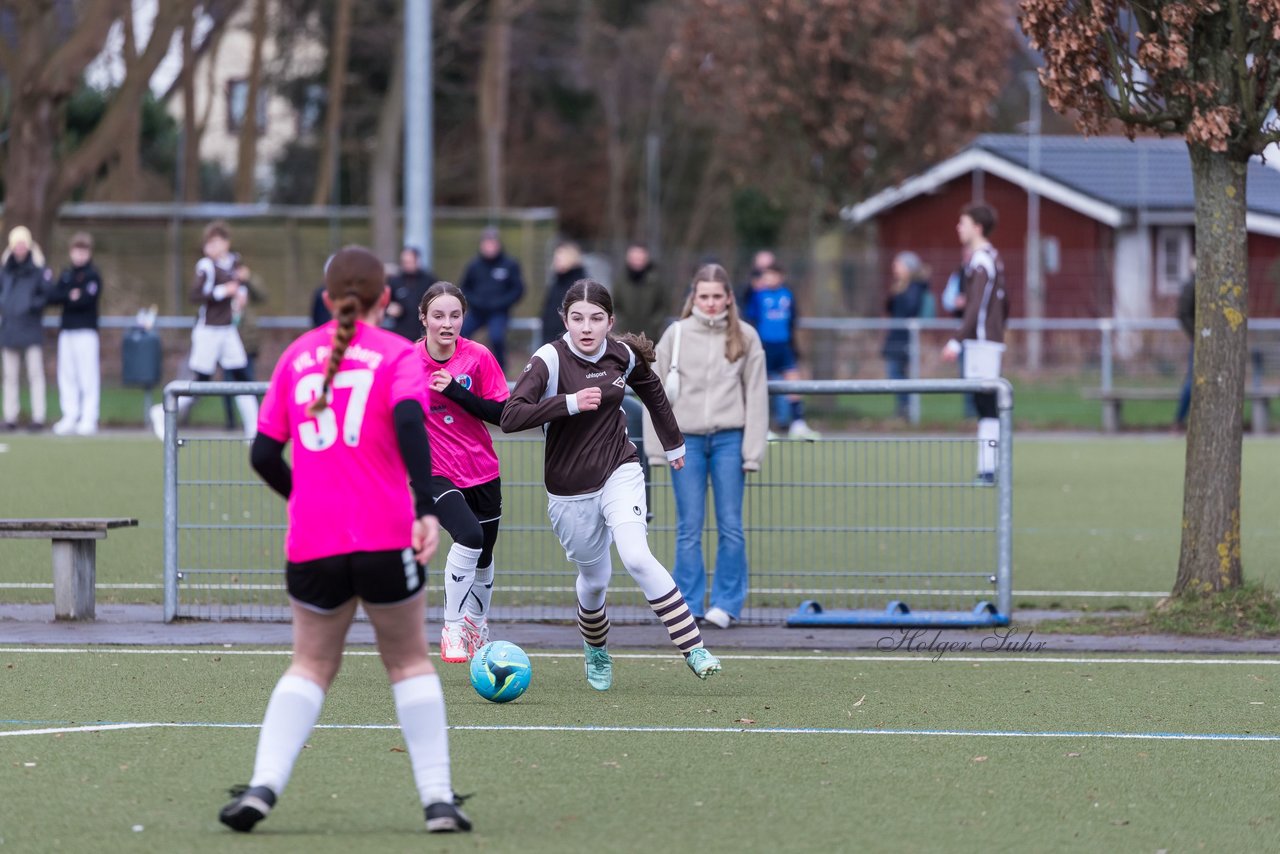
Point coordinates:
pixel 453 644
pixel 477 635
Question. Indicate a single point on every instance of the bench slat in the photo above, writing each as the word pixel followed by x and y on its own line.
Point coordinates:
pixel 49 526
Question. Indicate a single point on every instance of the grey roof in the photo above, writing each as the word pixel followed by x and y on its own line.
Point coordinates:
pixel 1143 173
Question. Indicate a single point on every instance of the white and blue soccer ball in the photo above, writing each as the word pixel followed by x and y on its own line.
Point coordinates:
pixel 500 671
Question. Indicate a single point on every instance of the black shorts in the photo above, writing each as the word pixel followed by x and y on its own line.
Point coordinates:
pixel 484 499
pixel 378 578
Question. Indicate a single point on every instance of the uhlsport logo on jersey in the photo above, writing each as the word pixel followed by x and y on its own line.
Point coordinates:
pixel 464 380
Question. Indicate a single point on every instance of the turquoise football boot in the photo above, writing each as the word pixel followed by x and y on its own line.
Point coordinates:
pixel 702 663
pixel 599 667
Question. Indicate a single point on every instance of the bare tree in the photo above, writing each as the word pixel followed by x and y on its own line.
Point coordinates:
pixel 247 144
pixel 44 64
pixel 1208 70
pixel 493 97
pixel 329 147
pixel 384 165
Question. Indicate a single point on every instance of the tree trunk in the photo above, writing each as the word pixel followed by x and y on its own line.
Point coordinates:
pixel 31 170
pixel 247 158
pixel 495 76
pixel 328 163
pixel 386 159
pixel 190 138
pixel 1210 555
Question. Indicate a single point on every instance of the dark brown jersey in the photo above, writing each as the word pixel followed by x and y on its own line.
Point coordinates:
pixel 585 448
pixel 210 291
pixel 986 301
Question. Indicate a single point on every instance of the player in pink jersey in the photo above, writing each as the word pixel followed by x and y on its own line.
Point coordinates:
pixel 468 388
pixel 348 396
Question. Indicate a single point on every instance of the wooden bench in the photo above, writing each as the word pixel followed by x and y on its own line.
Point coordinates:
pixel 1113 401
pixel 74 557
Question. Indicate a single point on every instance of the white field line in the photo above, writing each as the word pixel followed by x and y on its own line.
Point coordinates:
pixel 816 656
pixel 953 733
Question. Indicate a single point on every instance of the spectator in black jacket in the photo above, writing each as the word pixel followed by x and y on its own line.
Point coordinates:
pixel 79 370
pixel 566 268
pixel 1187 320
pixel 908 293
pixel 408 287
pixel 492 284
pixel 25 287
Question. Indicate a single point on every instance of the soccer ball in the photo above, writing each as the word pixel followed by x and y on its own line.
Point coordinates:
pixel 500 671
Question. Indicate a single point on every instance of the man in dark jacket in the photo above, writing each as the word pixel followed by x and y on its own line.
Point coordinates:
pixel 492 284
pixel 1187 320
pixel 639 300
pixel 79 372
pixel 407 289
pixel 24 290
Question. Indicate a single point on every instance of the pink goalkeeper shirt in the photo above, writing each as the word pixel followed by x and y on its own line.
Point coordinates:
pixel 350 488
pixel 461 447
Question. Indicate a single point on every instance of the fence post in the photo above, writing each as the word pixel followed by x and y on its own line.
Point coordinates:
pixel 1106 327
pixel 1004 483
pixel 170 502
pixel 913 368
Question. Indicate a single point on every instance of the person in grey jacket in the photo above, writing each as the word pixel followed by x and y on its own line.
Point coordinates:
pixel 492 284
pixel 722 407
pixel 25 287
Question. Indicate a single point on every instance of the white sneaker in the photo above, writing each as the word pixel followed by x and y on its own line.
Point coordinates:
pixel 718 617
pixel 772 437
pixel 453 644
pixel 64 427
pixel 801 430
pixel 86 429
pixel 157 420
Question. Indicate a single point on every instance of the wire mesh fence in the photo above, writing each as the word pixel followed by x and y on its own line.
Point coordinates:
pixel 851 522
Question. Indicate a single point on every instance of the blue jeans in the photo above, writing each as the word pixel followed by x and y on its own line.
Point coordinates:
pixel 496 324
pixel 718 456
pixel 1184 399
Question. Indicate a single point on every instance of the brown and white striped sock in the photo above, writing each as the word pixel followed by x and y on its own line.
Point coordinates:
pixel 676 616
pixel 594 625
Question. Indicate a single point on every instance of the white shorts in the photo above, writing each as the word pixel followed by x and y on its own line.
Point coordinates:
pixel 982 359
pixel 216 346
pixel 582 523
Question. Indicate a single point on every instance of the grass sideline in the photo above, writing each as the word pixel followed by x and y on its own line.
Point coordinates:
pixel 1251 611
pixel 852 755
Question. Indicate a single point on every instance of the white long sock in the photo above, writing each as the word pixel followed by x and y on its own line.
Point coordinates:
pixel 459 576
pixel 291 714
pixel 633 548
pixel 988 444
pixel 593 582
pixel 420 707
pixel 481 594
pixel 248 406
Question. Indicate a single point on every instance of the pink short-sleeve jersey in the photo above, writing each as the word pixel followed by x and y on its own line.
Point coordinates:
pixel 461 447
pixel 350 488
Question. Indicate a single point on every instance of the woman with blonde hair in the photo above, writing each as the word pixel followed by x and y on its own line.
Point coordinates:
pixel 722 405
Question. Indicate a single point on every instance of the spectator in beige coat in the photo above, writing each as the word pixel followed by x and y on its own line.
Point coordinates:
pixel 714 368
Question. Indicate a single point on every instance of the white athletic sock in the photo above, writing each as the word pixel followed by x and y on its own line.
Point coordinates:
pixel 459 576
pixel 632 541
pixel 248 406
pixel 988 444
pixel 593 582
pixel 481 594
pixel 291 714
pixel 420 707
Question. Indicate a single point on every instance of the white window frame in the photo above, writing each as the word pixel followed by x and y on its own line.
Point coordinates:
pixel 1173 259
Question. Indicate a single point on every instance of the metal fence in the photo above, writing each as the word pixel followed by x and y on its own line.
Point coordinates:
pixel 894 528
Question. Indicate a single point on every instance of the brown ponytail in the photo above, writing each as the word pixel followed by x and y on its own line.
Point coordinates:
pixel 354 280
pixel 589 290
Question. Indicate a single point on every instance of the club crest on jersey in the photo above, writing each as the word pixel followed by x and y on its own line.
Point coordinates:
pixel 619 382
pixel 464 380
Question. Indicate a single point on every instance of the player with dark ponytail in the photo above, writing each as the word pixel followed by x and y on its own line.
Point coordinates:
pixel 348 396
pixel 573 388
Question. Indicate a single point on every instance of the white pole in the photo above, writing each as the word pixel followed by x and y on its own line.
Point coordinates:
pixel 418 155
pixel 1034 269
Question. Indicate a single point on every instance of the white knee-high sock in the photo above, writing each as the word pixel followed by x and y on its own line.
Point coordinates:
pixel 248 406
pixel 988 444
pixel 481 594
pixel 459 577
pixel 647 570
pixel 291 714
pixel 593 581
pixel 420 707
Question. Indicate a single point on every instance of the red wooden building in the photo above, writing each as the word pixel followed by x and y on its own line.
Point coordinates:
pixel 1116 222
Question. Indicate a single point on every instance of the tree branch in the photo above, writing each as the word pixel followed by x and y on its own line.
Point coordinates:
pixel 105 139
pixel 63 68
